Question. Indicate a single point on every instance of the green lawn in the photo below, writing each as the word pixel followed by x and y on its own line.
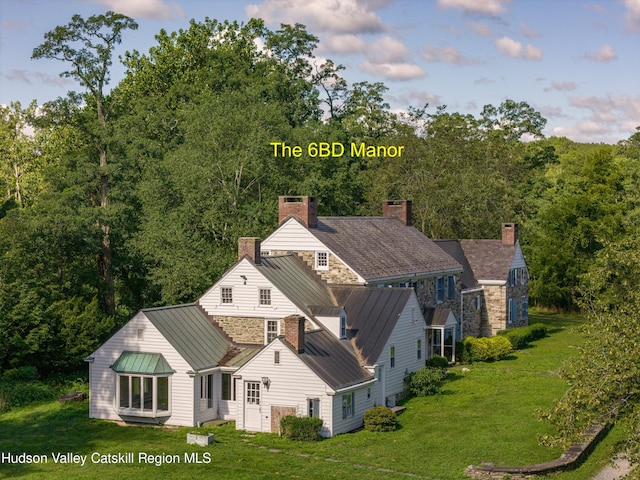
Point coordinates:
pixel 488 414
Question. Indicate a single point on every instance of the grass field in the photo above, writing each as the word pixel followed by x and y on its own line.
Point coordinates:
pixel 488 414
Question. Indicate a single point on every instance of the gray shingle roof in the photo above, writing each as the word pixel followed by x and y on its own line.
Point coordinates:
pixel 382 247
pixel 372 314
pixel 188 329
pixel 489 259
pixel 453 248
pixel 330 359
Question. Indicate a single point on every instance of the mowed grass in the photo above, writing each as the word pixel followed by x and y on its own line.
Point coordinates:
pixel 486 414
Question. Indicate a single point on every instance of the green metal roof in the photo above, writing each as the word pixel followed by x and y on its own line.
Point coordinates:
pixel 190 332
pixel 139 362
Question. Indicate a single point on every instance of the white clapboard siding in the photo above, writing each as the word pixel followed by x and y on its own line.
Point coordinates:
pixel 292 383
pixel 292 236
pixel 364 400
pixel 409 328
pixel 246 296
pixel 103 379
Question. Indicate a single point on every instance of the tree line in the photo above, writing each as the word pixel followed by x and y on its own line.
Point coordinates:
pixel 112 202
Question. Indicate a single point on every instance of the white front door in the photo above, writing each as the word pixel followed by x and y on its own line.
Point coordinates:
pixel 252 420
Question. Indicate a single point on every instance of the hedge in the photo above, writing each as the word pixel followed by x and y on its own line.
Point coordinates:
pixel 521 337
pixel 425 381
pixel 380 419
pixel 486 349
pixel 306 429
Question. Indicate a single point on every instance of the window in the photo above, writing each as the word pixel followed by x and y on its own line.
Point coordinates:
pixel 392 356
pixel 478 302
pixel 253 393
pixel 451 287
pixel 419 349
pixel 206 391
pixel 143 395
pixel 513 310
pixel 226 295
pixel 276 357
pixel 525 307
pixel 140 334
pixel 271 331
pixel 369 393
pixel 265 296
pixel 439 289
pixel 348 405
pixel 343 325
pixel 228 387
pixel 322 260
pixel 313 405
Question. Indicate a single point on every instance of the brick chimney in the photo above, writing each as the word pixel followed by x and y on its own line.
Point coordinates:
pixel 304 208
pixel 509 233
pixel 401 209
pixel 249 247
pixel 294 332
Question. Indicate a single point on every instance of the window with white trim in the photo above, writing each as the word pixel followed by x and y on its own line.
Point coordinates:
pixel 253 393
pixel 265 296
pixel 228 387
pixel 392 357
pixel 271 330
pixel 276 357
pixel 226 295
pixel 419 349
pixel 143 395
pixel 313 406
pixel 206 391
pixel 343 325
pixel 348 405
pixel 322 260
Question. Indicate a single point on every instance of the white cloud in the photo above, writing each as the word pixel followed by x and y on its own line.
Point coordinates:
pixel 605 54
pixel 561 86
pixel 42 78
pixel 154 9
pixel 446 55
pixel 514 49
pixel 336 16
pixel 610 118
pixel 633 15
pixel 9 25
pixel 393 71
pixel 480 29
pixel 387 50
pixel 347 44
pixel 483 7
pixel 529 32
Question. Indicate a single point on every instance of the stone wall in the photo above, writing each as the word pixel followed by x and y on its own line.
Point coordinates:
pixel 337 273
pixel 242 329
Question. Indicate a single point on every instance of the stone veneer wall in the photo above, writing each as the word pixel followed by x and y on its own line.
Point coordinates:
pixel 473 318
pixel 337 272
pixel 495 308
pixel 242 329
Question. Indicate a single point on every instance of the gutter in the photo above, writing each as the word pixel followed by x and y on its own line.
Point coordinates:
pixel 353 385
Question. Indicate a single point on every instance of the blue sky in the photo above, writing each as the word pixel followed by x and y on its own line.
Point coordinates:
pixel 575 61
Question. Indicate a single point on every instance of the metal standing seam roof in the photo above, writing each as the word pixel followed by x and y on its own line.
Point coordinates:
pixel 382 247
pixel 372 314
pixel 191 333
pixel 289 274
pixel 334 362
pixel 138 362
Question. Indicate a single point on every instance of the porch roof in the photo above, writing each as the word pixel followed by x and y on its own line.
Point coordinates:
pixel 140 362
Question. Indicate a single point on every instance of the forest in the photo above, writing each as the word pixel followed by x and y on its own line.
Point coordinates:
pixel 132 198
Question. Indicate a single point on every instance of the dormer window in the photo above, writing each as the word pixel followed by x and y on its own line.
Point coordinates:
pixel 322 260
pixel 343 325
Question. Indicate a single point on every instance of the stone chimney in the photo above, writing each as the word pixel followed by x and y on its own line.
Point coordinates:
pixel 401 209
pixel 249 247
pixel 303 208
pixel 294 332
pixel 509 233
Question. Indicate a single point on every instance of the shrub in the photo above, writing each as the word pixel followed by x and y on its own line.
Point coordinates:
pixel 426 381
pixel 16 394
pixel 521 337
pixel 380 419
pixel 438 362
pixel 486 349
pixel 306 429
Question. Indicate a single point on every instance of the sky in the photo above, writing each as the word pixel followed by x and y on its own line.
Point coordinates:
pixel 577 62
